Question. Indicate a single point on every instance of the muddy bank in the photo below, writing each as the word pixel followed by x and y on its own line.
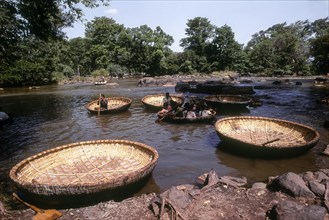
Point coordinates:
pixel 288 196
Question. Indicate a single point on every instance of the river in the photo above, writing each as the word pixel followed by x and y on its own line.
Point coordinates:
pixel 52 116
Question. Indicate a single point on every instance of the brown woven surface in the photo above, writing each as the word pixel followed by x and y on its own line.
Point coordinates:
pixel 115 104
pixel 275 133
pixel 234 99
pixel 85 167
pixel 156 101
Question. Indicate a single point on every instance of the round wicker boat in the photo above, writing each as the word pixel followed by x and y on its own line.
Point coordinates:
pixel 227 100
pixel 261 136
pixel 115 105
pixel 181 120
pixel 85 167
pixel 155 102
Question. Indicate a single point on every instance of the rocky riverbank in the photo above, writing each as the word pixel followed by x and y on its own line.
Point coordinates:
pixel 288 196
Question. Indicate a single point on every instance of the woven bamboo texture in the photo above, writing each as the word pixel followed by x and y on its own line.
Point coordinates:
pixel 262 132
pixel 85 167
pixel 155 102
pixel 115 105
pixel 227 100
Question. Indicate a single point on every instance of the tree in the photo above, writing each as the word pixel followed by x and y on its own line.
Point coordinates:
pixel 79 55
pixel 11 30
pixel 281 49
pixel 27 25
pixel 320 52
pixel 224 52
pixel 199 33
pixel 46 19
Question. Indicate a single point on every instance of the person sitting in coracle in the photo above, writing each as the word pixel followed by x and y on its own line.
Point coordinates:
pixel 191 113
pixel 103 102
pixel 166 107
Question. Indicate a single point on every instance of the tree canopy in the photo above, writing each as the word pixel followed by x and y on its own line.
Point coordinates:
pixel 34 50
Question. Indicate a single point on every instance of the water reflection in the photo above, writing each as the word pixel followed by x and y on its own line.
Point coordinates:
pixel 260 169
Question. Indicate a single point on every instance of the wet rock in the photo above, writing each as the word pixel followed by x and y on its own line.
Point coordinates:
pixel 146 81
pixel 289 210
pixel 298 83
pixel 213 88
pixel 276 82
pixel 295 185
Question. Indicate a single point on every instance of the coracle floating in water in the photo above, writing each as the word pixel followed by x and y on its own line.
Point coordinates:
pixel 115 105
pixel 230 101
pixel 155 102
pixel 84 168
pixel 182 119
pixel 265 137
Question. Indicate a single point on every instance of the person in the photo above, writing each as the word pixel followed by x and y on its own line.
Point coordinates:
pixel 191 112
pixel 167 104
pixel 103 102
pixel 166 100
pixel 201 107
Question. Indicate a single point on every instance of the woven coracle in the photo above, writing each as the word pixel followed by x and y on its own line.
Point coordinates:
pixel 227 100
pixel 85 167
pixel 155 102
pixel 251 134
pixel 115 105
pixel 181 120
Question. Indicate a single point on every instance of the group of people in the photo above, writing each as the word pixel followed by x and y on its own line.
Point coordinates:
pixel 190 108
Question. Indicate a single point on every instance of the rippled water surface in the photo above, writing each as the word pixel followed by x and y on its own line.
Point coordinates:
pixel 55 115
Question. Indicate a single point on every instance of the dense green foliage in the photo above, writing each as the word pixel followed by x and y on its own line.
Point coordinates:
pixel 34 49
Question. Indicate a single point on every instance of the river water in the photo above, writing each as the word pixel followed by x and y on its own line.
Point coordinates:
pixel 56 115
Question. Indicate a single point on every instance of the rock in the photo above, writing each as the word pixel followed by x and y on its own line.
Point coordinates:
pixel 317 188
pixel 259 185
pixel 326 151
pixel 212 178
pixel 235 181
pixel 288 210
pixel 298 83
pixel 213 87
pixel 321 176
pixel 276 82
pixel 146 81
pixel 295 185
pixel 177 197
pixel 308 176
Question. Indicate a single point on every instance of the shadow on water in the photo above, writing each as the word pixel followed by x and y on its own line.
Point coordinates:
pixel 256 169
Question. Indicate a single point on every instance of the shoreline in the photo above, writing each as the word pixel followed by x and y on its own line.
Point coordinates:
pixel 288 196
